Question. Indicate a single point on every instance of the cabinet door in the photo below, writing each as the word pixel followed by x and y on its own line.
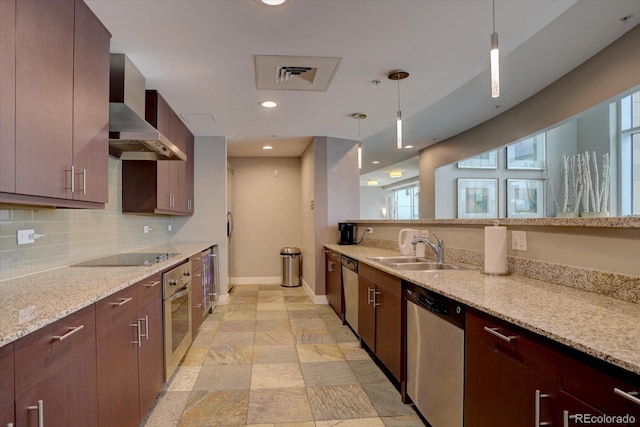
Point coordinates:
pixel 7 95
pixel 117 341
pixel 366 312
pixel 167 184
pixel 90 106
pixel 44 97
pixel 197 294
pixel 502 378
pixel 6 385
pixel 57 365
pixel 333 280
pixel 605 387
pixel 150 354
pixel 388 329
pixel 180 136
pixel 68 396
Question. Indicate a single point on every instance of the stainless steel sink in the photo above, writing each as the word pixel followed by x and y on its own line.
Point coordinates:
pixel 417 263
pixel 396 259
pixel 428 266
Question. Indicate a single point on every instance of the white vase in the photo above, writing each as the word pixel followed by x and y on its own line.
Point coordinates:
pixel 594 214
pixel 567 214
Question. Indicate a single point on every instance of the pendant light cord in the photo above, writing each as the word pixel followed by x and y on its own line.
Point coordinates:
pixel 398 80
pixel 494 15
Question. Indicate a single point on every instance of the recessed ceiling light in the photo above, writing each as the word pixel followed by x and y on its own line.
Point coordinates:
pixel 408 146
pixel 395 174
pixel 267 147
pixel 269 104
pixel 372 182
pixel 272 2
pixel 375 162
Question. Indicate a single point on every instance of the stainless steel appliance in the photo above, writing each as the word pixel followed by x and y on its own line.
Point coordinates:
pixel 435 356
pixel 176 296
pixel 130 136
pixel 350 289
pixel 126 259
pixel 347 233
pixel 210 279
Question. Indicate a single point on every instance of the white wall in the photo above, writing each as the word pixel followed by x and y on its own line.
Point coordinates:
pixel 208 222
pixel 267 193
pixel 372 201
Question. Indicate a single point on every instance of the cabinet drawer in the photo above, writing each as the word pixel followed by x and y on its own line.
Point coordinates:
pixel 45 351
pixel 115 308
pixel 516 343
pixel 148 290
pixel 367 272
pixel 594 382
pixel 389 283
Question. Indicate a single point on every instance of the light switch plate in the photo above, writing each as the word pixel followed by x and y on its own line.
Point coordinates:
pixel 519 240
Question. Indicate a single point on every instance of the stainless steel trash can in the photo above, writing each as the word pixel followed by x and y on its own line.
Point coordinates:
pixel 290 266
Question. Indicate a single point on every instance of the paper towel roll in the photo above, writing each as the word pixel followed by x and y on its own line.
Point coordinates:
pixel 495 250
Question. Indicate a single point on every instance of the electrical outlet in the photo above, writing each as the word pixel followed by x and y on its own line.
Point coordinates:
pixel 26 237
pixel 146 229
pixel 169 227
pixel 519 240
pixel 369 230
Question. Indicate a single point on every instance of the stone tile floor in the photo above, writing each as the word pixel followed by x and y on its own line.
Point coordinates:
pixel 271 357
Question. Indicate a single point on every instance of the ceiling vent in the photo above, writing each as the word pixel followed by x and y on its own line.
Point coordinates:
pixel 294 72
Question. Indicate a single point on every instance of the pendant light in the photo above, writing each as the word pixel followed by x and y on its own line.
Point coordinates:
pixel 360 117
pixel 495 58
pixel 398 75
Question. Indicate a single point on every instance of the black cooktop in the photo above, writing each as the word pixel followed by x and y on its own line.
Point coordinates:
pixel 132 259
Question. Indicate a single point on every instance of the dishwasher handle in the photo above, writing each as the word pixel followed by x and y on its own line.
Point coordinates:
pixel 350 264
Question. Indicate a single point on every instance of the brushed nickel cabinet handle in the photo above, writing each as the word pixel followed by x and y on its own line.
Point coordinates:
pixel 40 409
pixel 566 417
pixel 145 319
pixel 122 302
pixel 137 326
pixel 72 330
pixel 629 395
pixel 540 396
pixel 494 331
pixel 152 284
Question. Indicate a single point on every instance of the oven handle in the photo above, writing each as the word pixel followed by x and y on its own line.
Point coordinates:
pixel 180 294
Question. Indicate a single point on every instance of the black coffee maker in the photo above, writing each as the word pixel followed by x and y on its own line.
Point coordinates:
pixel 347 233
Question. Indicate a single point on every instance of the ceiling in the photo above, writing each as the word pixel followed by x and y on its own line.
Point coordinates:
pixel 201 56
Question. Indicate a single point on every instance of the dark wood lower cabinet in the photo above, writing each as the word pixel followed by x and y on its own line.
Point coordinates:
pixel 7 361
pixel 516 378
pixel 333 281
pixel 379 316
pixel 150 355
pixel 117 337
pixel 55 373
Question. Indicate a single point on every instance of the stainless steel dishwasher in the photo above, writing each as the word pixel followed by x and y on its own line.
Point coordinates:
pixel 350 289
pixel 435 356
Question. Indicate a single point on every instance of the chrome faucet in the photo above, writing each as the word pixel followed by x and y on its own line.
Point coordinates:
pixel 438 247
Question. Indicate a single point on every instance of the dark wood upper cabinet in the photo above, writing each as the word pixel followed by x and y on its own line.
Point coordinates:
pixel 90 106
pixel 7 95
pixel 59 93
pixel 163 186
pixel 44 97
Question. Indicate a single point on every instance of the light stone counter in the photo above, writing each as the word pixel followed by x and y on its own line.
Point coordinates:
pixel 31 302
pixel 598 325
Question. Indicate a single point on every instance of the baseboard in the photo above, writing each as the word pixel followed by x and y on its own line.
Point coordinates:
pixel 269 280
pixel 316 299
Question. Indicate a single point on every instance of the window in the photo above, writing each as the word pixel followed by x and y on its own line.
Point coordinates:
pixel 406 200
pixel 630 153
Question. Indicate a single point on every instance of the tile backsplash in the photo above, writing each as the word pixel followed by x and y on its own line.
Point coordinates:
pixel 73 235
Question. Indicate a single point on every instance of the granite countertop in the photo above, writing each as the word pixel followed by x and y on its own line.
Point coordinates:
pixel 598 325
pixel 32 302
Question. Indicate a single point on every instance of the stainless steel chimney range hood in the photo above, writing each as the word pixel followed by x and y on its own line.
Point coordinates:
pixel 131 137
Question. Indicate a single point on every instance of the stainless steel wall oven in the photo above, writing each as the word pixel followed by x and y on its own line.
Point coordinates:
pixel 177 315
